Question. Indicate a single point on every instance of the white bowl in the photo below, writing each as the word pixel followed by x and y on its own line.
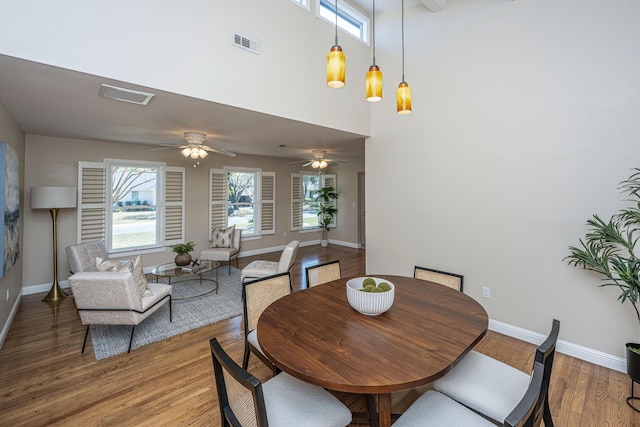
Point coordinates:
pixel 369 303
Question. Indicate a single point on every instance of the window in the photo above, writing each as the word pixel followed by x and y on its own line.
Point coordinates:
pixel 349 20
pixel 145 200
pixel 302 3
pixel 242 197
pixel 304 207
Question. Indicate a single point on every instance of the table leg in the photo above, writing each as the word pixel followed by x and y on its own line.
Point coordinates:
pixel 384 410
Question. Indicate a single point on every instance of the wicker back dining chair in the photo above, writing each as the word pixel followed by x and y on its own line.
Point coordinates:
pixel 434 409
pixel 323 273
pixel 492 387
pixel 257 295
pixel 451 280
pixel 281 401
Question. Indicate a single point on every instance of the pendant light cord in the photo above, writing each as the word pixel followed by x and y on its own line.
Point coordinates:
pixel 403 41
pixel 337 22
pixel 373 19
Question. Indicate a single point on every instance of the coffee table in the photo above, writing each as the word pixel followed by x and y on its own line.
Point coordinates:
pixel 172 271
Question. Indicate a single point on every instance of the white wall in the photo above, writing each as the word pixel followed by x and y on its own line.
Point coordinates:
pixel 525 119
pixel 186 47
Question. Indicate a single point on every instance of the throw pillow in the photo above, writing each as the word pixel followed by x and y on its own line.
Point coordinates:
pixel 140 278
pixel 222 237
pixel 113 265
pixel 134 267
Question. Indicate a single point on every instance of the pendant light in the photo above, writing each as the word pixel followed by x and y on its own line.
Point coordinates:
pixel 336 62
pixel 403 93
pixel 374 76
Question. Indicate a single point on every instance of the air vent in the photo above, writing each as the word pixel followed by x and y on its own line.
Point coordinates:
pixel 246 43
pixel 126 95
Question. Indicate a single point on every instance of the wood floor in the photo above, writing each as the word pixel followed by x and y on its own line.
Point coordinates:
pixel 46 381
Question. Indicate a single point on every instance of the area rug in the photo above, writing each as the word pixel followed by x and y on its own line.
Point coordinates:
pixel 188 313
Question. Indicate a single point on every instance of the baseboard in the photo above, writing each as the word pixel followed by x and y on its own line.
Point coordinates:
pixel 564 347
pixel 7 324
pixel 261 251
pixel 45 287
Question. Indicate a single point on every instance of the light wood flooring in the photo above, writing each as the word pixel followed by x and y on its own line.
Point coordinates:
pixel 46 381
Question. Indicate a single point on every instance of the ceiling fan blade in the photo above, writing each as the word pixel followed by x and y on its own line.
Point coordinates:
pixel 165 147
pixel 219 151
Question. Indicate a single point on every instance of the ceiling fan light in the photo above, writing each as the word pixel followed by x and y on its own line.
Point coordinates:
pixel 336 67
pixel 323 164
pixel 374 84
pixel 186 152
pixel 315 164
pixel 194 154
pixel 403 98
pixel 203 153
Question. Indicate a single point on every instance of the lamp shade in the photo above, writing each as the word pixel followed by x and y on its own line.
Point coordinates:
pixel 336 68
pixel 53 197
pixel 374 84
pixel 403 98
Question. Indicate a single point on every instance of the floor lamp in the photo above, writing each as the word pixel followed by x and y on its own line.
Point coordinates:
pixel 54 198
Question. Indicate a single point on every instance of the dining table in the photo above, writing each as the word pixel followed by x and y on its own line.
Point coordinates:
pixel 316 336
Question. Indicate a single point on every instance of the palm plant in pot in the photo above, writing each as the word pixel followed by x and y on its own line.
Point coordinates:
pixel 609 248
pixel 327 210
pixel 183 249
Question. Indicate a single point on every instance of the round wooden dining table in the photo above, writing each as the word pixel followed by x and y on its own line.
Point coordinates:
pixel 316 336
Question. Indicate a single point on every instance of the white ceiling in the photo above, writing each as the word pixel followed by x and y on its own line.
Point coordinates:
pixel 52 101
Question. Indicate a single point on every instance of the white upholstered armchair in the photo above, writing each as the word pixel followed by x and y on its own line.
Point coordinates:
pixel 82 257
pixel 225 254
pixel 114 298
pixel 258 268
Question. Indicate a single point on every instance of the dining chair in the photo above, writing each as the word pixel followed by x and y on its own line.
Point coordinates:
pixel 493 388
pixel 434 409
pixel 259 268
pixel 323 273
pixel 280 401
pixel 256 296
pixel 451 280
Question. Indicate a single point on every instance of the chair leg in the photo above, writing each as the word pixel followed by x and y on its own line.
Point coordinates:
pixel 546 414
pixel 170 310
pixel 84 343
pixel 229 267
pixel 245 358
pixel 131 339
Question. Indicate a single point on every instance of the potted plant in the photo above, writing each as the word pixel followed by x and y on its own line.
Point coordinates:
pixel 183 249
pixel 609 249
pixel 327 210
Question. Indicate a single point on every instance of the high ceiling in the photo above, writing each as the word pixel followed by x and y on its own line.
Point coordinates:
pixel 52 101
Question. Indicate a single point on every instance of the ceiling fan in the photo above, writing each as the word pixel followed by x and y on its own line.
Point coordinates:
pixel 319 161
pixel 195 147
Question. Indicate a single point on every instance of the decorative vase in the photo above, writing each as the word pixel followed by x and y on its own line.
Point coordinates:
pixel 324 243
pixel 183 259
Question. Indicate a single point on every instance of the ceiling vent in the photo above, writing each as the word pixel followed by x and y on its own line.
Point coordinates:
pixel 126 95
pixel 246 43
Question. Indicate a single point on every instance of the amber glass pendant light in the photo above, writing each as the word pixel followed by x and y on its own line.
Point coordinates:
pixel 374 76
pixel 403 93
pixel 336 62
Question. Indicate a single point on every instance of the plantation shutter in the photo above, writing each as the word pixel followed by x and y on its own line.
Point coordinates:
pixel 329 180
pixel 92 202
pixel 296 201
pixel 174 206
pixel 268 203
pixel 218 199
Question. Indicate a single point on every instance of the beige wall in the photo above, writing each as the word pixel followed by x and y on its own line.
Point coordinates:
pixel 54 161
pixel 525 120
pixel 12 135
